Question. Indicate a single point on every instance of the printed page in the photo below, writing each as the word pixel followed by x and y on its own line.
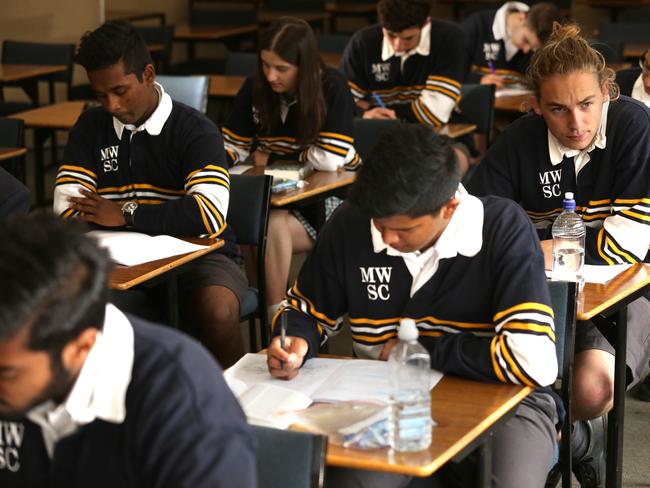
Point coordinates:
pixel 131 248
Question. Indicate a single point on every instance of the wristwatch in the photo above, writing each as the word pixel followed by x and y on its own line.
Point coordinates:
pixel 128 210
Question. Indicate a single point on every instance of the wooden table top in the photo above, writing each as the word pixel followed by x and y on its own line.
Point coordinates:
pixel 61 116
pixel 125 277
pixel 332 59
pixel 11 152
pixel 515 103
pixel 635 49
pixel 350 8
pixel 133 15
pixel 266 16
pixel 596 298
pixel 225 85
pixel 212 32
pixel 463 409
pixel 18 72
pixel 617 3
pixel 456 130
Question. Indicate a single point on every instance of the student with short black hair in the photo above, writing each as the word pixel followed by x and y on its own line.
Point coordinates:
pixel 500 43
pixel 585 139
pixel 149 164
pixel 293 109
pixel 408 66
pixel 410 242
pixel 92 397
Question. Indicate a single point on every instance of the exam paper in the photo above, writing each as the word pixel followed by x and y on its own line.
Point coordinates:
pixel 599 274
pixel 239 169
pixel 131 248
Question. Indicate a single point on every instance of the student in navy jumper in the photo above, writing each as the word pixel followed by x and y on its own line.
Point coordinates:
pixel 146 163
pixel 500 42
pixel 92 397
pixel 411 242
pixel 586 139
pixel 635 82
pixel 294 109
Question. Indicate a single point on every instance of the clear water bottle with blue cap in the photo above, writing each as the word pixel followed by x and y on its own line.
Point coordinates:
pixel 409 364
pixel 569 243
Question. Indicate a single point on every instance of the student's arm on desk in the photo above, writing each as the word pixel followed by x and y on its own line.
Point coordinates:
pixel 522 350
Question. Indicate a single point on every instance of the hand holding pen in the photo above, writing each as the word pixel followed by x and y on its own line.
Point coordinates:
pixel 493 78
pixel 286 353
pixel 380 111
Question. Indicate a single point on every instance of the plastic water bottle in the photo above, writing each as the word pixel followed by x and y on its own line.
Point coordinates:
pixel 410 371
pixel 569 243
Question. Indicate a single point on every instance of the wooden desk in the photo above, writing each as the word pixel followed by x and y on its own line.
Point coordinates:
pixel 332 59
pixel 265 17
pixel 133 15
pixel 225 85
pixel 45 120
pixel 11 152
pixel 456 130
pixel 516 103
pixel 166 269
pixel 615 6
pixel 462 420
pixel 606 305
pixel 19 72
pixel 635 49
pixel 210 33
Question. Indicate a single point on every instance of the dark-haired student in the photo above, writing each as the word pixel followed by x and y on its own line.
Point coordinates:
pixel 585 139
pixel 411 242
pixel 500 42
pixel 295 109
pixel 14 196
pixel 153 165
pixel 92 397
pixel 635 82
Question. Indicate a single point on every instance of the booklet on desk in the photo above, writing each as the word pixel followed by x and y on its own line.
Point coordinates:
pixel 131 248
pixel 264 398
pixel 289 170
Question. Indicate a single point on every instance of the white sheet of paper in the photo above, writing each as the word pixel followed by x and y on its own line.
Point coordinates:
pixel 131 248
pixel 603 274
pixel 513 91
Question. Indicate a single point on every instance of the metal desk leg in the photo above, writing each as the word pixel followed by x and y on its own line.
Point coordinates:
pixel 484 463
pixel 172 301
pixel 616 416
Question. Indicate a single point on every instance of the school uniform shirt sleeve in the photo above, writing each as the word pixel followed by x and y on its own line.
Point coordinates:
pixel 335 145
pixel 625 234
pixel 353 64
pixel 441 90
pixel 522 349
pixel 239 131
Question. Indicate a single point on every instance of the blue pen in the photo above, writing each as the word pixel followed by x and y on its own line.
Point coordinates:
pixel 492 68
pixel 378 100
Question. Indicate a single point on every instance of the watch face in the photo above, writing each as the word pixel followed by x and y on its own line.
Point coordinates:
pixel 129 207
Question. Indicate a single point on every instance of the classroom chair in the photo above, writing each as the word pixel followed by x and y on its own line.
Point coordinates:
pixel 12 135
pixel 162 35
pixel 288 459
pixel 615 35
pixel 563 301
pixel 626 78
pixel 477 107
pixel 248 215
pixel 368 131
pixel 190 90
pixel 241 64
pixel 295 5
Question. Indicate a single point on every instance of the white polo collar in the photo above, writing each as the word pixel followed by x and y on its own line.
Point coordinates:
pixel 558 152
pixel 639 93
pixel 463 235
pixel 423 48
pixel 154 124
pixel 500 26
pixel 100 389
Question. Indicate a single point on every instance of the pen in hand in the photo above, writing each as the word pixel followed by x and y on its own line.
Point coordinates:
pixel 283 334
pixel 492 68
pixel 378 100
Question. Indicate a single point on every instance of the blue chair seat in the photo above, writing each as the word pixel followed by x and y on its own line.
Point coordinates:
pixel 249 305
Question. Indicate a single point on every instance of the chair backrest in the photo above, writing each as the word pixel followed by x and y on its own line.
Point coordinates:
pixel 626 78
pixel 190 90
pixel 563 300
pixel 164 35
pixel 219 16
pixel 12 135
pixel 367 133
pixel 477 107
pixel 248 208
pixel 288 459
pixel 332 43
pixel 241 64
pixel 295 5
pixel 611 50
pixel 21 52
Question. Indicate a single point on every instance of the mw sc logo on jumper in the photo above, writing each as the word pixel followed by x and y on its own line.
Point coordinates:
pixel 376 280
pixel 550 183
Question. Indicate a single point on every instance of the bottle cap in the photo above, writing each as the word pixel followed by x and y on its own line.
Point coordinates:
pixel 568 203
pixel 408 331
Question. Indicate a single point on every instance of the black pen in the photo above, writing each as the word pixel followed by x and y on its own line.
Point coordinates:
pixel 283 333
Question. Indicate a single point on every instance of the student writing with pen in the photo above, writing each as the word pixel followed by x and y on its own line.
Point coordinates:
pixel 411 242
pixel 499 43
